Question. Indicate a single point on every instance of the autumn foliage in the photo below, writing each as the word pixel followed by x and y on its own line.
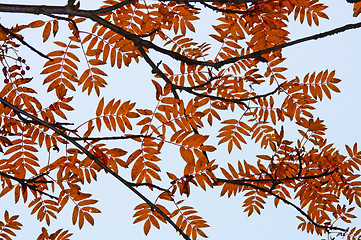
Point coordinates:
pixel 210 99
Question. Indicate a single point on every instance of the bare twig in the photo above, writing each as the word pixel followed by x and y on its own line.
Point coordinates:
pixel 29 183
pixel 65 19
pixel 109 138
pixel 221 9
pixel 148 185
pixel 285 201
pixel 282 180
pixel 20 39
pixel 113 7
pixel 156 70
pixel 291 43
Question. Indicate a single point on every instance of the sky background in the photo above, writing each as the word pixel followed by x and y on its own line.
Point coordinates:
pixel 342 116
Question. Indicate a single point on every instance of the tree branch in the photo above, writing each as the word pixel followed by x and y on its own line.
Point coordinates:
pixel 65 19
pixel 156 70
pixel 291 43
pixel 92 14
pixel 221 9
pixel 125 2
pixel 20 39
pixel 26 182
pixel 38 121
pixel 108 138
pixel 238 101
pixel 148 185
pixel 285 201
pixel 233 100
pixel 113 7
pixel 240 181
pixel 214 1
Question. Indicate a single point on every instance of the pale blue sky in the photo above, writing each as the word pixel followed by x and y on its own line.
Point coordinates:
pixel 342 116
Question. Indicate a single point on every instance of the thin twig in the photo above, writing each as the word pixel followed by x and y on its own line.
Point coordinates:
pixel 96 160
pixel 186 2
pixel 92 14
pixel 291 43
pixel 221 9
pixel 113 7
pixel 20 39
pixel 148 185
pixel 25 182
pixel 285 201
pixel 108 138
pixel 65 19
pixel 282 180
pixel 156 70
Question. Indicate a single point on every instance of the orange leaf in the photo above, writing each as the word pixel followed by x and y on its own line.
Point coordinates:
pixel 147 226
pixel 166 196
pixel 75 214
pixel 356 9
pixel 100 107
pixel 46 31
pixel 36 24
pixel 159 91
pixel 187 155
pixel 207 148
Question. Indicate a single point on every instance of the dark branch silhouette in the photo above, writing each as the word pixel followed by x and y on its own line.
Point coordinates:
pixel 326 227
pixel 93 15
pixel 108 138
pixel 29 183
pixel 20 39
pixel 38 121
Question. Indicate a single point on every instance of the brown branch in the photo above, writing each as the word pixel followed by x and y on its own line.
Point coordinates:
pixel 65 19
pixel 326 173
pixel 113 7
pixel 206 83
pixel 148 185
pixel 96 160
pixel 291 43
pixel 179 57
pixel 32 187
pixel 109 138
pixel 233 100
pixel 214 1
pixel 20 39
pixel 26 182
pixel 156 70
pixel 238 101
pixel 327 228
pixel 92 15
pixel 263 95
pixel 221 9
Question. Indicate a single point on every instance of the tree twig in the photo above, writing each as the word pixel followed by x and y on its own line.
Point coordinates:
pixel 92 14
pixel 283 200
pixel 109 138
pixel 20 39
pixel 148 185
pixel 26 182
pixel 97 161
pixel 221 9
